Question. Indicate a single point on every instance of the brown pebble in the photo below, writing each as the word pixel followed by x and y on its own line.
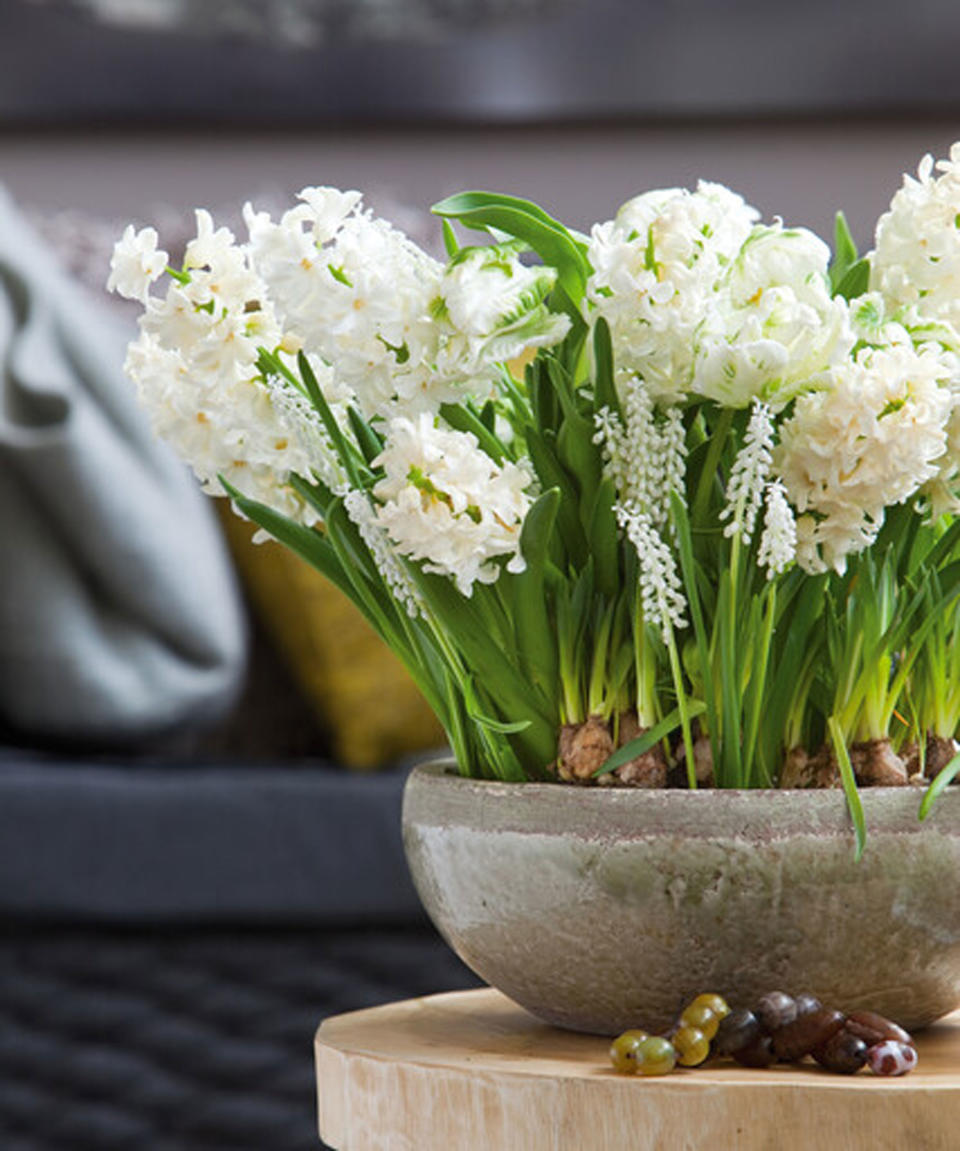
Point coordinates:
pixel 843 1053
pixel 737 1030
pixel 873 1028
pixel 809 1030
pixel 775 1010
pixel 759 1053
pixel 807 1003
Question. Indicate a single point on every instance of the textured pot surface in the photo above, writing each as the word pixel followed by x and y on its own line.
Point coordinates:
pixel 599 909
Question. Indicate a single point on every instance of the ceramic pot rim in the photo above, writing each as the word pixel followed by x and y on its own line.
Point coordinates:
pixel 437 795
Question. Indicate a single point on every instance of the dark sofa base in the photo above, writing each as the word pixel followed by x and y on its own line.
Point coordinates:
pixel 186 1039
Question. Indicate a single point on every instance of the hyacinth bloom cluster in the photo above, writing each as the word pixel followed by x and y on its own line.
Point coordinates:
pixel 709 523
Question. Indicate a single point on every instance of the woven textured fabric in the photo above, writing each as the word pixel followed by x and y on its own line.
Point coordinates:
pixel 182 1040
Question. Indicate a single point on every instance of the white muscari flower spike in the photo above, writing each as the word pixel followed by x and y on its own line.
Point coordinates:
pixel 661 590
pixel 748 475
pixel 778 543
pixel 136 264
pixel 359 510
pixel 643 456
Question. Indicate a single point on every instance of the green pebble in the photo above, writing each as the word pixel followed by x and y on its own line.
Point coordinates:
pixel 656 1056
pixel 623 1051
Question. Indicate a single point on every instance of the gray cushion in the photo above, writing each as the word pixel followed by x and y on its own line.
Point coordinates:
pixel 119 614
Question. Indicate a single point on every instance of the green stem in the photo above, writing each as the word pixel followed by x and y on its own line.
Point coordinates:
pixel 758 693
pixel 682 708
pixel 718 441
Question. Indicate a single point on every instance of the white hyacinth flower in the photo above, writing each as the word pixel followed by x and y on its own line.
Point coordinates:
pixel 136 264
pixel 354 289
pixel 403 332
pixel 748 476
pixel 196 365
pixel 871 440
pixel 445 502
pixel 656 268
pixel 916 260
pixel 772 328
pixel 496 306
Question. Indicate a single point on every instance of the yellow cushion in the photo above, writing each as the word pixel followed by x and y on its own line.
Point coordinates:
pixel 366 701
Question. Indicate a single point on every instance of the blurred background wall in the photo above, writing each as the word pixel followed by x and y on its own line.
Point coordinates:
pixel 116 106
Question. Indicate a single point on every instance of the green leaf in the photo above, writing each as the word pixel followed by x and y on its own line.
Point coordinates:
pixel 495 725
pixel 512 694
pixel 604 388
pixel 581 457
pixel 651 737
pixel 688 568
pixel 552 474
pixel 305 542
pixel 730 771
pixel 543 400
pixel 527 222
pixel 844 252
pixel 603 537
pixel 855 281
pixel 317 494
pixel 462 419
pixel 346 453
pixel 370 443
pixel 849 784
pixel 535 633
pixel 450 239
pixel 944 777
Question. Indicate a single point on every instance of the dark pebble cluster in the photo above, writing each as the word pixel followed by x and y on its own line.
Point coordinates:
pixel 780 1028
pixel 783 1028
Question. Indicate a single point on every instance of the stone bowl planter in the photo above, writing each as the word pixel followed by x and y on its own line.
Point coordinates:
pixel 600 909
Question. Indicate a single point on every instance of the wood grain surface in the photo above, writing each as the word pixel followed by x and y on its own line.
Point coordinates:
pixel 470 1070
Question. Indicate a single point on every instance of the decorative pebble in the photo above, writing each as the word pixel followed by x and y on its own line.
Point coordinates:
pixel 809 1030
pixel 691 1045
pixel 737 1030
pixel 655 1056
pixel 779 1027
pixel 873 1028
pixel 843 1053
pixel 701 1016
pixel 891 1057
pixel 806 1004
pixel 758 1053
pixel 717 1004
pixel 776 1010
pixel 623 1051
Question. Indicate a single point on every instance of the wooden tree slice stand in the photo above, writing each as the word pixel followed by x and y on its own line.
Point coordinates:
pixel 470 1069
